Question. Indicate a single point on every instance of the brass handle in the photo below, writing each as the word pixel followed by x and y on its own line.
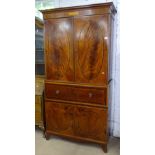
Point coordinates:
pixel 90 95
pixel 102 73
pixel 57 92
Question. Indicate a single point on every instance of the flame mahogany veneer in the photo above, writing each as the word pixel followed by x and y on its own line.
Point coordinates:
pixel 78 51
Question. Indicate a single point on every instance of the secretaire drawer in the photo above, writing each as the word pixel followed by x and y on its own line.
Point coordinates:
pixel 60 92
pixel 76 93
pixel 90 95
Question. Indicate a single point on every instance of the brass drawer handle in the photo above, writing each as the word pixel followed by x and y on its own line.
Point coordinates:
pixel 90 95
pixel 57 92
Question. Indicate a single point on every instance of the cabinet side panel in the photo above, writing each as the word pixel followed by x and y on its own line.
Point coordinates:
pixel 110 46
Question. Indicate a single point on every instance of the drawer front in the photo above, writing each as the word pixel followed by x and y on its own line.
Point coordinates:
pixel 76 93
pixel 60 92
pixel 90 95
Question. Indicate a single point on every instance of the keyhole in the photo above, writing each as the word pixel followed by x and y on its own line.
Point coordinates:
pixel 90 95
pixel 57 91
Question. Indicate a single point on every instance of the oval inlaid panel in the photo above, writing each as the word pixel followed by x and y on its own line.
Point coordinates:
pixel 90 50
pixel 88 123
pixel 60 46
pixel 59 118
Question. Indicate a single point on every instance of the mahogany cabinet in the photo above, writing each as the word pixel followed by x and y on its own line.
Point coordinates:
pixel 78 51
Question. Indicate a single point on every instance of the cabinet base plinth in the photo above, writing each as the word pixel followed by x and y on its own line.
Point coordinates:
pixel 77 139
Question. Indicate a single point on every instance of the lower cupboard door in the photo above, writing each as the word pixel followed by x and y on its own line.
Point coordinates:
pixel 91 123
pixel 59 118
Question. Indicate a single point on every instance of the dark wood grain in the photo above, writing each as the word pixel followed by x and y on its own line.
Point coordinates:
pixel 59 50
pixel 90 95
pixel 80 121
pixel 76 93
pixel 91 49
pixel 88 123
pixel 87 10
pixel 59 117
pixel 61 92
pixel 78 49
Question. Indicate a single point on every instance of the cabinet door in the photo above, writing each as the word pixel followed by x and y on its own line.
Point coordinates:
pixel 59 50
pixel 91 123
pixel 59 118
pixel 90 41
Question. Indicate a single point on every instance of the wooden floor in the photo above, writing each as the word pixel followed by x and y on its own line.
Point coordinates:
pixel 58 146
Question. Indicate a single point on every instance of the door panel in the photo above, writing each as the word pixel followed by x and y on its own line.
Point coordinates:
pixel 59 117
pixel 78 121
pixel 59 56
pixel 90 44
pixel 91 123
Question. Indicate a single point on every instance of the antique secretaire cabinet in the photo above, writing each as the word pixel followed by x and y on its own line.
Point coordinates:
pixel 78 49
